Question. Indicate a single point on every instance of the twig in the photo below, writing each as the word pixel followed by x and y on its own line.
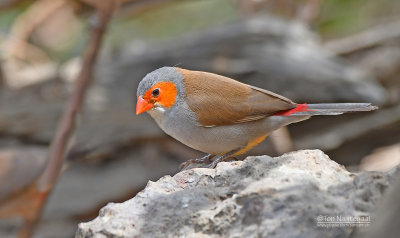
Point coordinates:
pixel 365 39
pixel 67 124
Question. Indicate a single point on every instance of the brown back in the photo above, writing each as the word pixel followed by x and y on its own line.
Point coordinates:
pixel 218 100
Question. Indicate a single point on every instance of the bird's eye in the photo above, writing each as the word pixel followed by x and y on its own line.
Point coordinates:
pixel 156 92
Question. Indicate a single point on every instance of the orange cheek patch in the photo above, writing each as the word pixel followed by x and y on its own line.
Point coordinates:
pixel 167 96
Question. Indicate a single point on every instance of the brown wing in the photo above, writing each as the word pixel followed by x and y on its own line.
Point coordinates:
pixel 218 100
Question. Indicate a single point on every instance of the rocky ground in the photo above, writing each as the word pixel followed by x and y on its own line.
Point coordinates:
pixel 261 196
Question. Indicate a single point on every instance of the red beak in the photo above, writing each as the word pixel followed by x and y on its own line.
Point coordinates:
pixel 142 105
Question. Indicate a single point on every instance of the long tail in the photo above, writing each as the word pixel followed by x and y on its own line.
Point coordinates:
pixel 327 109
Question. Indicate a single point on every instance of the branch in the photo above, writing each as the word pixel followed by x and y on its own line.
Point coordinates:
pixel 66 126
pixel 365 39
pixel 58 147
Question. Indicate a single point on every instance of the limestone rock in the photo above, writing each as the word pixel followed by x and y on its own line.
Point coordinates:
pixel 258 197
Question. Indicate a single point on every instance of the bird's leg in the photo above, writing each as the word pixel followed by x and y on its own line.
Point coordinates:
pixel 221 158
pixel 216 161
pixel 204 160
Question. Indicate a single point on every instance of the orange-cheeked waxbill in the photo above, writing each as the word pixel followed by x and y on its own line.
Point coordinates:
pixel 221 116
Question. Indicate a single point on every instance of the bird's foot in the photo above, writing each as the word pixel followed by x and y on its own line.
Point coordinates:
pixel 217 160
pixel 226 157
pixel 204 160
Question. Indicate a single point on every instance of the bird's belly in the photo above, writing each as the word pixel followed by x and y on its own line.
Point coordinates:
pixel 212 140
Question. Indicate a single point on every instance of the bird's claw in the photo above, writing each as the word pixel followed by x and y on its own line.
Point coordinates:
pixel 226 157
pixel 204 160
pixel 207 160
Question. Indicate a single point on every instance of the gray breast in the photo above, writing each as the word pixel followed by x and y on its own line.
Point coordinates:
pixel 181 123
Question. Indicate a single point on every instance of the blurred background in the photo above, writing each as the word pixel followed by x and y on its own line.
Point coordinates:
pixel 307 50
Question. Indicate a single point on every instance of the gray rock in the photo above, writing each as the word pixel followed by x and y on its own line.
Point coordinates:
pixel 387 223
pixel 258 197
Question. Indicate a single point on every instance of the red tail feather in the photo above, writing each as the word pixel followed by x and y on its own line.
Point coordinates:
pixel 299 108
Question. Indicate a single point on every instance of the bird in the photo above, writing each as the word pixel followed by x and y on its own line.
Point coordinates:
pixel 220 116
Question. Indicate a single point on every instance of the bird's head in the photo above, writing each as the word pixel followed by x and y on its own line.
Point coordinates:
pixel 159 89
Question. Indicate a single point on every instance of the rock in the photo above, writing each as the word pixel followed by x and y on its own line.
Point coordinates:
pixel 386 223
pixel 258 197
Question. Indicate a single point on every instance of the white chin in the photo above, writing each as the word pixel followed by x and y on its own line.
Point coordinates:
pixel 160 109
pixel 156 113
